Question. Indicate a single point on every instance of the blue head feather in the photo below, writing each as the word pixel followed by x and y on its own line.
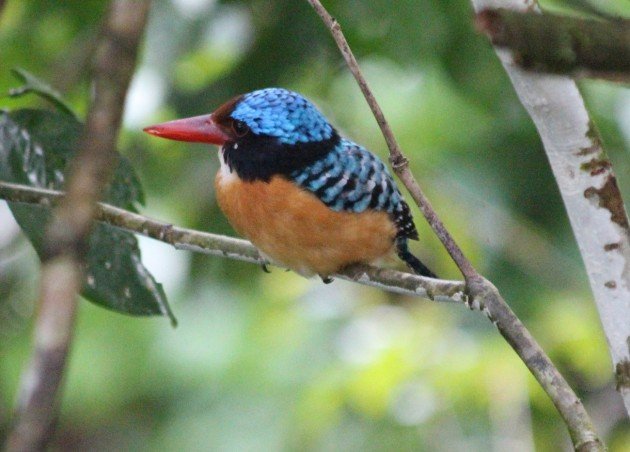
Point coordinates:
pixel 282 114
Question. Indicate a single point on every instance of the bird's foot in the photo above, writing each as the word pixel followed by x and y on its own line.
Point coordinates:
pixel 263 264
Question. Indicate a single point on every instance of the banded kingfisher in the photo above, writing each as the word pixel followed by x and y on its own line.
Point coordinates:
pixel 305 196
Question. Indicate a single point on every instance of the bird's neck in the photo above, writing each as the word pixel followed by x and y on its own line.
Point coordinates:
pixel 263 157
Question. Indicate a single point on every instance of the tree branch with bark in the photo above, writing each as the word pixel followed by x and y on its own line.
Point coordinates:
pixel 589 189
pixel 559 44
pixel 483 295
pixel 238 249
pixel 66 236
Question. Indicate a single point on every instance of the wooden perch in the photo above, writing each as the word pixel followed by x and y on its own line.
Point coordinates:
pixel 559 44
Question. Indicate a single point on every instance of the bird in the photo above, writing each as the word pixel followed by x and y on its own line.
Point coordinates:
pixel 305 196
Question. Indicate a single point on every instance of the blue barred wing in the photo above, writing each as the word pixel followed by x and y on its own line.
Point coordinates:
pixel 352 179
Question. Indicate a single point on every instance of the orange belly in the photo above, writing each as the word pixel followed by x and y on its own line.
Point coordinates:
pixel 294 228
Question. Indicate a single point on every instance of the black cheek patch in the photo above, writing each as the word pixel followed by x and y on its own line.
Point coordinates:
pixel 259 157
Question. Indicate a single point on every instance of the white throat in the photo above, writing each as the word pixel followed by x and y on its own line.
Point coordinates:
pixel 227 175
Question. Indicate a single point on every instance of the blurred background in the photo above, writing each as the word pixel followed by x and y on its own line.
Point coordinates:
pixel 263 362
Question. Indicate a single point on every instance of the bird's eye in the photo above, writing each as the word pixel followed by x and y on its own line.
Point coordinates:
pixel 239 128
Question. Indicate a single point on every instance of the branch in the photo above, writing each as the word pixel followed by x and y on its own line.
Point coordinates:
pixel 66 236
pixel 482 293
pixel 592 9
pixel 238 249
pixel 588 186
pixel 399 162
pixel 560 44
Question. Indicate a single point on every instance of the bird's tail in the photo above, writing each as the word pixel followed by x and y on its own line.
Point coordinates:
pixel 412 261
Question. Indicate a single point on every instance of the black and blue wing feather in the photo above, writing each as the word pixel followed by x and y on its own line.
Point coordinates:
pixel 352 179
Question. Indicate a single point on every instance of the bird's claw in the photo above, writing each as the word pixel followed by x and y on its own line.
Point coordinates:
pixel 263 265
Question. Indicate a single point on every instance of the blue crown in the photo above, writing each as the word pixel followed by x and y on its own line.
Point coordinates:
pixel 283 114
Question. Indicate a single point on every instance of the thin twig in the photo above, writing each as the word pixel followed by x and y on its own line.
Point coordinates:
pixel 66 236
pixel 400 164
pixel 482 294
pixel 232 248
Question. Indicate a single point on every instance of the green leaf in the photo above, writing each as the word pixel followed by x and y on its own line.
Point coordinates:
pixel 33 84
pixel 35 149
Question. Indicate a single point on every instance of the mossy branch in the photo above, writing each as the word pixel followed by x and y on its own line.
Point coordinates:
pixel 559 44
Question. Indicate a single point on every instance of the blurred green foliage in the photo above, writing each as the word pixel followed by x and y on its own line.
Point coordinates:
pixel 36 148
pixel 276 362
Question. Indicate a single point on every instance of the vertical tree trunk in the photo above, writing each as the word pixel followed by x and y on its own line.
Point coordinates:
pixel 590 193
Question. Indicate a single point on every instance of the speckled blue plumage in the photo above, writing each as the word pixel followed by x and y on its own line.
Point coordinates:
pixel 289 136
pixel 283 114
pixel 350 178
pixel 305 148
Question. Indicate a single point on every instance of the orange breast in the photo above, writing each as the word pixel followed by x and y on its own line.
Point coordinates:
pixel 295 228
